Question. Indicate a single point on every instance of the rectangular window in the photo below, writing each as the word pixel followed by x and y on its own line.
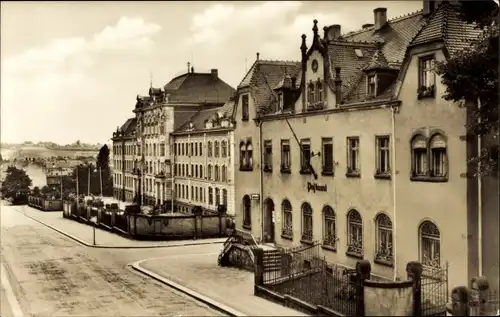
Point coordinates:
pixel 427 77
pixel 268 156
pixel 244 107
pixel 327 145
pixel 383 158
pixel 419 161
pixel 281 104
pixel 371 86
pixel 305 155
pixel 286 162
pixel 192 149
pixel 192 170
pixel 201 149
pixel 353 166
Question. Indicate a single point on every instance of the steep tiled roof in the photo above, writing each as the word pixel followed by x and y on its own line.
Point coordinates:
pixel 264 76
pixel 199 118
pixel 445 24
pixel 198 88
pixel 129 126
pixel 181 116
pixel 396 35
pixel 378 61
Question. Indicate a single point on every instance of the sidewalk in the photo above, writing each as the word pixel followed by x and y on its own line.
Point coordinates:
pixel 83 233
pixel 199 274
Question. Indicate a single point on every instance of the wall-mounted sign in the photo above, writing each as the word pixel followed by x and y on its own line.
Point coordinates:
pixel 315 187
pixel 255 197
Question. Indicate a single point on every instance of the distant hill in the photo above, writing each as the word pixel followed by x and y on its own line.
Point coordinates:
pixel 23 152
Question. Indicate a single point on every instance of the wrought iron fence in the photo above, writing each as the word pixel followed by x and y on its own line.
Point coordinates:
pixel 434 290
pixel 106 218
pixel 303 274
pixel 490 307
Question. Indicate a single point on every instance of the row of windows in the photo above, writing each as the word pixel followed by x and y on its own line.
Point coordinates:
pixel 214 173
pixel 428 233
pixel 433 150
pixel 153 149
pixel 215 197
pixel 152 128
pixel 215 149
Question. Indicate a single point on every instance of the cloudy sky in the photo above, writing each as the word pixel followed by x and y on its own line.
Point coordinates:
pixel 71 71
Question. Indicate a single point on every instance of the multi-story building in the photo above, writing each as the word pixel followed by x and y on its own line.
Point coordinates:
pixel 203 164
pixel 159 114
pixel 124 151
pixel 364 155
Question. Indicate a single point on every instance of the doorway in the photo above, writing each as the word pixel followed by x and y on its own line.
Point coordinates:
pixel 269 220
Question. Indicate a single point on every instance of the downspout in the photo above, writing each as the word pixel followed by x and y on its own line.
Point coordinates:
pixel 479 201
pixel 261 189
pixel 393 150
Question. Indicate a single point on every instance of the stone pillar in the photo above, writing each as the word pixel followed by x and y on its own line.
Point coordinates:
pixel 414 271
pixel 259 267
pixel 162 190
pixel 481 286
pixel 460 301
pixel 363 271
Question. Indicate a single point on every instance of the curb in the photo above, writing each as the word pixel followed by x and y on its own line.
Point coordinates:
pixel 84 243
pixel 200 297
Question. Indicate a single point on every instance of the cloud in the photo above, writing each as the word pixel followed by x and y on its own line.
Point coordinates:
pixel 66 75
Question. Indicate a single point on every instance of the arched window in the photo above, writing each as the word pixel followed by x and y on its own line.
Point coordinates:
pixel 209 149
pixel 383 241
pixel 224 197
pixel 201 171
pixel 287 230
pixel 243 156
pixel 430 244
pixel 216 148
pixel 310 94
pixel 355 233
pixel 307 222
pixel 419 155
pixel 329 228
pixel 224 173
pixel 210 196
pixel 200 150
pixel 209 172
pixel 319 88
pixel 247 212
pixel 249 154
pixel 217 197
pixel 439 164
pixel 196 171
pixel 216 173
pixel 224 148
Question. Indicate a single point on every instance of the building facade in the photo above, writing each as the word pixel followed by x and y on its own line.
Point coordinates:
pixel 157 115
pixel 373 159
pixel 123 154
pixel 203 163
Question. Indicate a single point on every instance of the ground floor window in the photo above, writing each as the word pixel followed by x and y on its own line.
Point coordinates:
pixel 307 223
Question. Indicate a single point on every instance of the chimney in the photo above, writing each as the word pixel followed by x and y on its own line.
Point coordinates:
pixel 367 25
pixel 429 6
pixel 380 17
pixel 333 32
pixel 294 82
pixel 214 73
pixel 338 86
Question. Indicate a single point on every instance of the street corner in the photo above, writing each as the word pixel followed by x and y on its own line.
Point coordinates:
pixel 162 277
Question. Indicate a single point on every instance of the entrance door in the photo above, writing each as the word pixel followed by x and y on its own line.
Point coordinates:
pixel 269 221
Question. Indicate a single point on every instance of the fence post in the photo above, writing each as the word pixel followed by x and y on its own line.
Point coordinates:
pixel 414 272
pixel 363 270
pixel 259 267
pixel 460 301
pixel 481 285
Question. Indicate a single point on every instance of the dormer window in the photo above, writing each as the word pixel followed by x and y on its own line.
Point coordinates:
pixel 311 94
pixel 359 52
pixel 371 86
pixel 281 104
pixel 319 87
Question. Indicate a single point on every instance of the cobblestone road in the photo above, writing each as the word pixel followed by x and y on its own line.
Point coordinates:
pixel 53 275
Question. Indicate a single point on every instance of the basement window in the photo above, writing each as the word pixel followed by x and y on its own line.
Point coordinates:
pixel 359 52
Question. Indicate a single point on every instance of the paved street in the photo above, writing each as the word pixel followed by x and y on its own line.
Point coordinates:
pixel 230 286
pixel 53 275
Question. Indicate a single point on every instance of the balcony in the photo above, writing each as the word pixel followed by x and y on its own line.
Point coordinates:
pixel 162 175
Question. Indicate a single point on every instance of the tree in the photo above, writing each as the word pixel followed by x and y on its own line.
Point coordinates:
pixel 103 157
pixel 471 77
pixel 1 158
pixel 16 181
pixel 36 191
